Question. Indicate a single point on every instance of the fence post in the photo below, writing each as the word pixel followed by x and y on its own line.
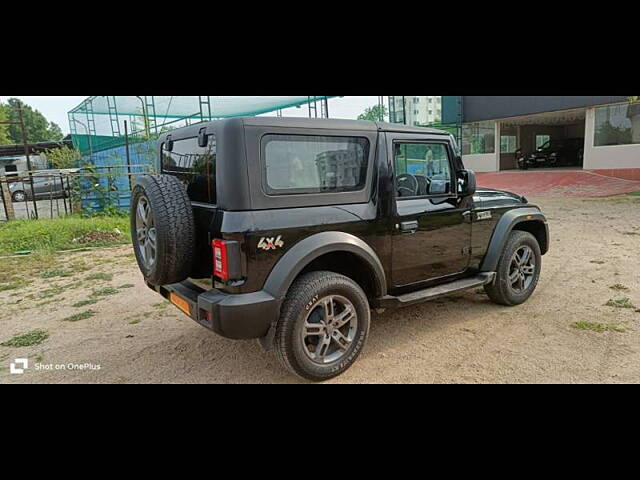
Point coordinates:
pixel 6 199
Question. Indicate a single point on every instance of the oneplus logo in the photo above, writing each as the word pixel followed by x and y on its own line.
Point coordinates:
pixel 24 364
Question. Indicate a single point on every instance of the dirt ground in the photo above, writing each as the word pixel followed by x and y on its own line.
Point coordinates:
pixel 136 337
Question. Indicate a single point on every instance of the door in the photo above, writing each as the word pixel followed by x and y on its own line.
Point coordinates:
pixel 41 186
pixel 432 229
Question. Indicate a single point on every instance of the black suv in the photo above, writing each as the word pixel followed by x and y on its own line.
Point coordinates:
pixel 290 230
pixel 555 153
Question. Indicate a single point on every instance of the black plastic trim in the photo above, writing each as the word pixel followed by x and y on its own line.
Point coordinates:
pixel 304 252
pixel 504 227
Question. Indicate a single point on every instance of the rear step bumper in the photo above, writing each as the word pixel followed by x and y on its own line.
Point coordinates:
pixel 436 292
pixel 238 316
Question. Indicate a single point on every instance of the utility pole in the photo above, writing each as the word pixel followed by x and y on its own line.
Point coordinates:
pixel 24 137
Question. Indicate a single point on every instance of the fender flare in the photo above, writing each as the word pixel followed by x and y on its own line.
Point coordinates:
pixel 307 250
pixel 503 228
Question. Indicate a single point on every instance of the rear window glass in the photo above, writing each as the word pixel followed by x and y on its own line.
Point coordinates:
pixel 195 166
pixel 297 164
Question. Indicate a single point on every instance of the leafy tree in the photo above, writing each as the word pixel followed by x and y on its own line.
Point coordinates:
pixel 38 128
pixel 375 113
pixel 4 129
pixel 63 157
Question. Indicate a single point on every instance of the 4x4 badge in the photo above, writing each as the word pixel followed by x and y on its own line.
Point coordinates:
pixel 484 216
pixel 270 243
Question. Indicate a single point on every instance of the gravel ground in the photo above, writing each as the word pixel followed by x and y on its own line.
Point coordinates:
pixel 135 337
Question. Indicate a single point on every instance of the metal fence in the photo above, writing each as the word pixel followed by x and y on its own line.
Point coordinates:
pixel 51 194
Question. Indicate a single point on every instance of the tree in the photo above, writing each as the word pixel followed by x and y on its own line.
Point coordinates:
pixel 4 129
pixel 63 157
pixel 375 113
pixel 38 128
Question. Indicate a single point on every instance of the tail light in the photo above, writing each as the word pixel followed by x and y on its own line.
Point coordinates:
pixel 220 259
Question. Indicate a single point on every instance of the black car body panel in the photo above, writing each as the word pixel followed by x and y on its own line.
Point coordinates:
pixel 391 245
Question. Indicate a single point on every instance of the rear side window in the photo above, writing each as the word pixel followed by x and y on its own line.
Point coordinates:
pixel 195 166
pixel 299 164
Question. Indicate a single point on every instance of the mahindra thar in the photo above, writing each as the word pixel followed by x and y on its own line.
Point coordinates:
pixel 291 230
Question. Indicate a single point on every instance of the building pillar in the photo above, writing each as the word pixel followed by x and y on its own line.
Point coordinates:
pixel 589 139
pixel 497 146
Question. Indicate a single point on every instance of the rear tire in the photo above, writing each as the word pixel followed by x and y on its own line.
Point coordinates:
pixel 18 196
pixel 162 229
pixel 515 283
pixel 309 345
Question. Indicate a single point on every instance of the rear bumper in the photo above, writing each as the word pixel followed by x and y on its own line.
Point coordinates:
pixel 239 316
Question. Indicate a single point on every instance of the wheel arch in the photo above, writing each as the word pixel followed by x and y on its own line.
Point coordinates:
pixel 525 219
pixel 320 250
pixel 329 249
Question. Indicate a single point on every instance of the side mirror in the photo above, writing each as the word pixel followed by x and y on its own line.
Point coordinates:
pixel 466 182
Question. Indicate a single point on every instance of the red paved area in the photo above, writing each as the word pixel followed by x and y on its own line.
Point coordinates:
pixel 558 183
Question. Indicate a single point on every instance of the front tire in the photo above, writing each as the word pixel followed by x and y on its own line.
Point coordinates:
pixel 323 325
pixel 518 270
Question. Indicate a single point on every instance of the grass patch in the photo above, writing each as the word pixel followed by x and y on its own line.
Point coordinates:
pixel 135 321
pixel 84 303
pixel 4 287
pixel 47 302
pixel 619 287
pixel 127 285
pixel 55 273
pixel 620 303
pixel 59 233
pixel 79 316
pixel 162 304
pixel 107 277
pixel 597 327
pixel 104 292
pixel 35 337
pixel 51 292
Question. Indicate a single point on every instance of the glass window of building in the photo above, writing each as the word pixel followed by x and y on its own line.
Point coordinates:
pixel 478 138
pixel 617 125
pixel 541 140
pixel 508 143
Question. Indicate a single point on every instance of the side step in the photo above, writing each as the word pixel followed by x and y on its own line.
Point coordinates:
pixel 432 293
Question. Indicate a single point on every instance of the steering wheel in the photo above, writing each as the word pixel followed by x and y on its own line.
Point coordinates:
pixel 407 183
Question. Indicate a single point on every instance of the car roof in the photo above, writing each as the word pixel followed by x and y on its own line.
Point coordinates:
pixel 306 123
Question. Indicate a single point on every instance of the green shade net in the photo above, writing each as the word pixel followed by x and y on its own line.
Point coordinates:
pixel 99 117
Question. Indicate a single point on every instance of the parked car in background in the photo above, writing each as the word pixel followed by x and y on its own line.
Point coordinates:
pixel 555 153
pixel 50 184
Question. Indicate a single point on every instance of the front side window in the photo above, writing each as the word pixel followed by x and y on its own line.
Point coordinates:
pixel 195 166
pixel 422 169
pixel 299 164
pixel 617 125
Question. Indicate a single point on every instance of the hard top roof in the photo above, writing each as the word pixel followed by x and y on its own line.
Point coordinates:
pixel 315 123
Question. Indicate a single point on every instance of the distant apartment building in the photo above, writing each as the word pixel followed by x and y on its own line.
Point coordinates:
pixel 417 111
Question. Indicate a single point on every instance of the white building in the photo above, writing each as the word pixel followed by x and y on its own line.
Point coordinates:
pixel 416 110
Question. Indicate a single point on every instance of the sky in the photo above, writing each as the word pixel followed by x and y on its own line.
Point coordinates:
pixel 55 108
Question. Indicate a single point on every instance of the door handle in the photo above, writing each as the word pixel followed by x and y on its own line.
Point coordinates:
pixel 409 227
